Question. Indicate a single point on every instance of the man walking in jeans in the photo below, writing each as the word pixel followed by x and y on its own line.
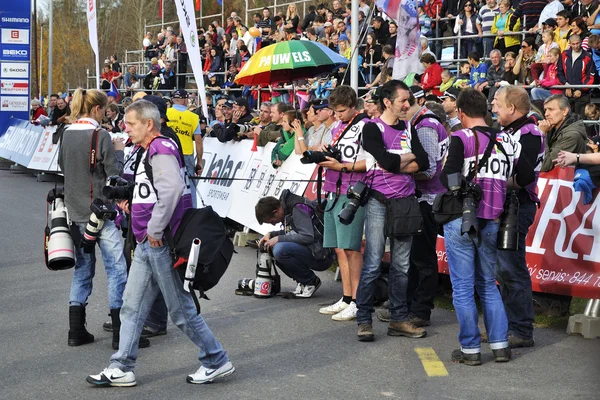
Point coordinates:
pixel 152 267
pixel 394 154
pixel 511 104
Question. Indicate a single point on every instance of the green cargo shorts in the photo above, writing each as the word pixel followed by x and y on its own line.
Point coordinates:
pixel 338 235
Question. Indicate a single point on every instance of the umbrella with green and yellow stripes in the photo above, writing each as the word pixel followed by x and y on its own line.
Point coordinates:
pixel 289 61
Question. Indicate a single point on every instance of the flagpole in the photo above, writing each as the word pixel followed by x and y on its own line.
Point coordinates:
pixel 354 46
pixel 162 14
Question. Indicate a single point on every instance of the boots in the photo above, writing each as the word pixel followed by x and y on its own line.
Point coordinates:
pixel 78 335
pixel 116 328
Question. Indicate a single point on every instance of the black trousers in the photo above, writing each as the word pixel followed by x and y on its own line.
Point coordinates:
pixel 423 272
pixel 578 104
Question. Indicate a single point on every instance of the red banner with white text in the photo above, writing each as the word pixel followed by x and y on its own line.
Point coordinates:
pixel 563 245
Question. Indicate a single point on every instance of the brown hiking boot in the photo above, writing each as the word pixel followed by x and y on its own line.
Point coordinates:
pixel 405 328
pixel 418 321
pixel 365 333
pixel 383 315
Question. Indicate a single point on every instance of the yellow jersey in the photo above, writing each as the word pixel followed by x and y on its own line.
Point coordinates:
pixel 184 124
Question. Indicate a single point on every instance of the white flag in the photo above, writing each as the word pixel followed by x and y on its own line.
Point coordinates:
pixel 187 22
pixel 93 32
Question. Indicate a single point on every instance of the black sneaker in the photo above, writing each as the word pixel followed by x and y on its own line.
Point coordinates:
pixel 149 332
pixel 502 355
pixel 418 321
pixel 468 359
pixel 365 333
pixel 384 315
pixel 514 342
pixel 107 326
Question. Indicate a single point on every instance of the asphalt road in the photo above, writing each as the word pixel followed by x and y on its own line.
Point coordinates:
pixel 280 348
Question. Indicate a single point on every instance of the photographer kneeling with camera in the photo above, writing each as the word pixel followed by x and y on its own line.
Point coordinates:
pixel 479 164
pixel 298 248
pixel 394 153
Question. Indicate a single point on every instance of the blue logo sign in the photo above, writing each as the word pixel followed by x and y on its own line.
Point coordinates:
pixel 14 52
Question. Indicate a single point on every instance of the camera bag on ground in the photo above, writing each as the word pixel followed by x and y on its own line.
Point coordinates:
pixel 317 216
pixel 447 206
pixel 216 249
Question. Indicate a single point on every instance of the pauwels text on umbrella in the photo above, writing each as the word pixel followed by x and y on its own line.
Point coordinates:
pixel 282 59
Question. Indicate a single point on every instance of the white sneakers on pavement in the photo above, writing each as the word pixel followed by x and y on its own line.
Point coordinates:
pixel 334 308
pixel 204 375
pixel 347 314
pixel 113 377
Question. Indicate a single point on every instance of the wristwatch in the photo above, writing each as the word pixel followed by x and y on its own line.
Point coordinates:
pixel 577 158
pixel 344 169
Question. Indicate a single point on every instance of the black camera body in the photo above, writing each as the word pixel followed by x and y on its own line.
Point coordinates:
pixel 118 188
pixel 100 212
pixel 471 194
pixel 310 157
pixel 358 194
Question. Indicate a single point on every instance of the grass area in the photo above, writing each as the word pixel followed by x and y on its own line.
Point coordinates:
pixel 541 320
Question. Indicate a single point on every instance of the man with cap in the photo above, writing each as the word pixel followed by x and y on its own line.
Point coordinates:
pixel 423 272
pixel 186 125
pixel 449 103
pixel 419 95
pixel 151 81
pixel 321 136
pixel 372 107
pixel 240 116
pixel 549 11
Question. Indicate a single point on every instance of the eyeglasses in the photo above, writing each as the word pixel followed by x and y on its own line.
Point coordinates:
pixel 468 5
pixel 524 46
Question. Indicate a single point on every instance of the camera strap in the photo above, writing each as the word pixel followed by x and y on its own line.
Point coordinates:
pixel 486 155
pixel 93 159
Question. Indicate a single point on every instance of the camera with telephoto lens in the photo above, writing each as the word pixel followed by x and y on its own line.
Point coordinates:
pixel 309 156
pixel 470 193
pixel 118 188
pixel 100 212
pixel 508 232
pixel 59 243
pixel 358 194
pixel 241 129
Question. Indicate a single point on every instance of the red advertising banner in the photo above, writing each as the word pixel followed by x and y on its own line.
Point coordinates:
pixel 563 245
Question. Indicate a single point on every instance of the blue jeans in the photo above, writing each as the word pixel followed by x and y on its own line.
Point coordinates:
pixel 472 268
pixel 159 314
pixel 400 263
pixel 109 241
pixel 152 271
pixel 540 93
pixel 297 262
pixel 190 167
pixel 514 279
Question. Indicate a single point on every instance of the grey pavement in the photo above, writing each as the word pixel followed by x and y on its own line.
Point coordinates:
pixel 281 348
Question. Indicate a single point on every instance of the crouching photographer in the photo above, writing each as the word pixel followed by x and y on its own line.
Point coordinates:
pixel 298 248
pixel 480 162
pixel 87 156
pixel 394 153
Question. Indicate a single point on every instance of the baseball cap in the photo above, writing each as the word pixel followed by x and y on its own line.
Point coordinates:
pixel 112 94
pixel 320 104
pixel 155 68
pixel 452 93
pixel 228 104
pixel 242 102
pixel 180 94
pixel 159 103
pixel 417 91
pixel 210 75
pixel 550 22
pixel 375 95
pixel 432 97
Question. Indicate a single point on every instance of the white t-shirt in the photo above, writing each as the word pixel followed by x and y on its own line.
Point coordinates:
pixel 147 42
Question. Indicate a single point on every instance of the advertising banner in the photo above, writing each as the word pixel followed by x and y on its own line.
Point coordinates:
pixel 187 22
pixel 563 245
pixel 93 35
pixel 15 56
pixel 45 152
pixel 20 141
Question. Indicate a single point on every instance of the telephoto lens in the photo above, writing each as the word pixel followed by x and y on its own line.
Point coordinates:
pixel 508 232
pixel 470 224
pixel 358 195
pixel 60 245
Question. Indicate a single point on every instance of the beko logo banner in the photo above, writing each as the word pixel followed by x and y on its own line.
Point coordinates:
pixel 15 36
pixel 14 70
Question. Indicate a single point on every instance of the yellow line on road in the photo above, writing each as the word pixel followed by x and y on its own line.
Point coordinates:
pixel 431 362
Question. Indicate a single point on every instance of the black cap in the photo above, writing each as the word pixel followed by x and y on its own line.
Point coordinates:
pixel 432 97
pixel 417 91
pixel 452 93
pixel 242 102
pixel 228 104
pixel 320 104
pixel 180 94
pixel 159 103
pixel 550 22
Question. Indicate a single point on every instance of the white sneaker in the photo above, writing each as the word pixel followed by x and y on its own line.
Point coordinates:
pixel 205 375
pixel 309 290
pixel 113 377
pixel 298 290
pixel 334 308
pixel 347 314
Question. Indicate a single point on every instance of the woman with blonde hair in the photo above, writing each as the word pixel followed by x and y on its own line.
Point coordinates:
pixel 291 21
pixel 501 25
pixel 85 176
